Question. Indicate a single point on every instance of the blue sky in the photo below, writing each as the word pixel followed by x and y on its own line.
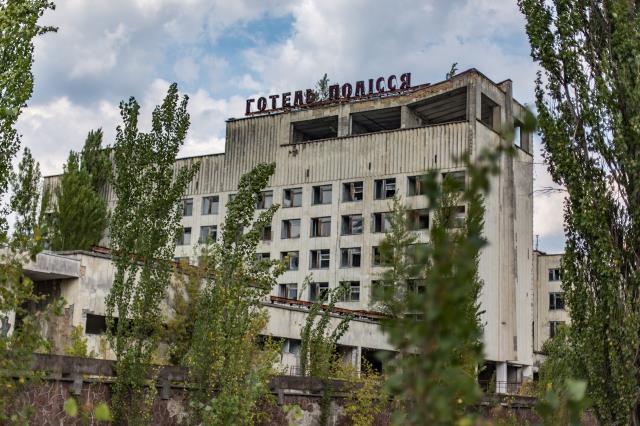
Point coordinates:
pixel 221 52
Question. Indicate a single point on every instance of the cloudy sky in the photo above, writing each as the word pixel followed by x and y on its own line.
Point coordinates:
pixel 221 52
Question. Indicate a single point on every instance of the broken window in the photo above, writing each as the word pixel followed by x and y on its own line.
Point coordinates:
pixel 351 292
pixel 288 291
pixel 322 194
pixel 416 253
pixel 187 207
pixel 556 301
pixel 381 222
pixel 553 327
pixel 447 107
pixel 184 237
pixel 292 197
pixel 416 286
pixel 377 120
pixel 352 224
pixel 208 233
pixel 418 219
pixel 291 260
pixel 265 200
pixel 350 257
pixel 210 204
pixel 290 229
pixel 97 324
pixel 265 235
pixel 316 129
pixel 318 291
pixel 455 181
pixel 415 185
pixel 352 191
pixel 263 257
pixel 321 226
pixel 378 258
pixel 319 259
pixel 490 112
pixel 554 274
pixel 384 188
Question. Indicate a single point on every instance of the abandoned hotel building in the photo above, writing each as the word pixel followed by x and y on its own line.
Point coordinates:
pixel 339 162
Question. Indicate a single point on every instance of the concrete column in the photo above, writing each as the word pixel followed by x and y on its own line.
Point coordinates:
pixel 408 119
pixel 358 360
pixel 501 377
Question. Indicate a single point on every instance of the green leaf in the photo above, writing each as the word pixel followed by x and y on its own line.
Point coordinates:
pixel 71 407
pixel 102 412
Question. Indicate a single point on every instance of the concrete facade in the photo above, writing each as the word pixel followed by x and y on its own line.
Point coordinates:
pixel 395 136
pixel 549 306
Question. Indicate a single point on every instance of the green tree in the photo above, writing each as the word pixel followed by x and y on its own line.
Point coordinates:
pixel 24 203
pixel 322 88
pixel 142 233
pixel 430 291
pixel 95 161
pixel 80 214
pixel 319 342
pixel 226 364
pixel 18 27
pixel 588 101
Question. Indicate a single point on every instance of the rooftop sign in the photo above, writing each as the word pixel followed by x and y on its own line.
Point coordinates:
pixel 301 98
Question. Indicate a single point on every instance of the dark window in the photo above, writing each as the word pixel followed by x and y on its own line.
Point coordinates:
pixel 352 224
pixel 350 257
pixel 292 197
pixel 96 324
pixel 418 219
pixel 265 200
pixel 187 207
pixel 319 259
pixel 416 286
pixel 381 222
pixel 377 120
pixel 289 291
pixel 352 292
pixel 291 346
pixel 231 197
pixel 456 181
pixel 384 188
pixel 322 194
pixel 263 257
pixel 311 130
pixel 321 226
pixel 318 291
pixel 184 237
pixel 266 233
pixel 556 301
pixel 415 185
pixel 553 327
pixel 416 253
pixel 210 204
pixel 290 229
pixel 208 233
pixel 291 259
pixel 490 112
pixel 352 191
pixel 378 258
pixel 554 274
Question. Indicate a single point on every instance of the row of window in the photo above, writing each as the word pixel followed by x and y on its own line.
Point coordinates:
pixel 350 257
pixel 352 224
pixel 322 194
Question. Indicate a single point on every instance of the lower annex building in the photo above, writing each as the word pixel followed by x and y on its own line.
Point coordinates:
pixel 339 162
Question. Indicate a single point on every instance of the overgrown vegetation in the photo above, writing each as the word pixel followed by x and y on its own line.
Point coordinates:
pixel 142 232
pixel 78 344
pixel 18 26
pixel 369 399
pixel 588 101
pixel 430 292
pixel 319 342
pixel 227 364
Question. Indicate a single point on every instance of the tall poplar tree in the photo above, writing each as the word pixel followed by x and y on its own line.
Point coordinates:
pixel 80 214
pixel 588 100
pixel 142 232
